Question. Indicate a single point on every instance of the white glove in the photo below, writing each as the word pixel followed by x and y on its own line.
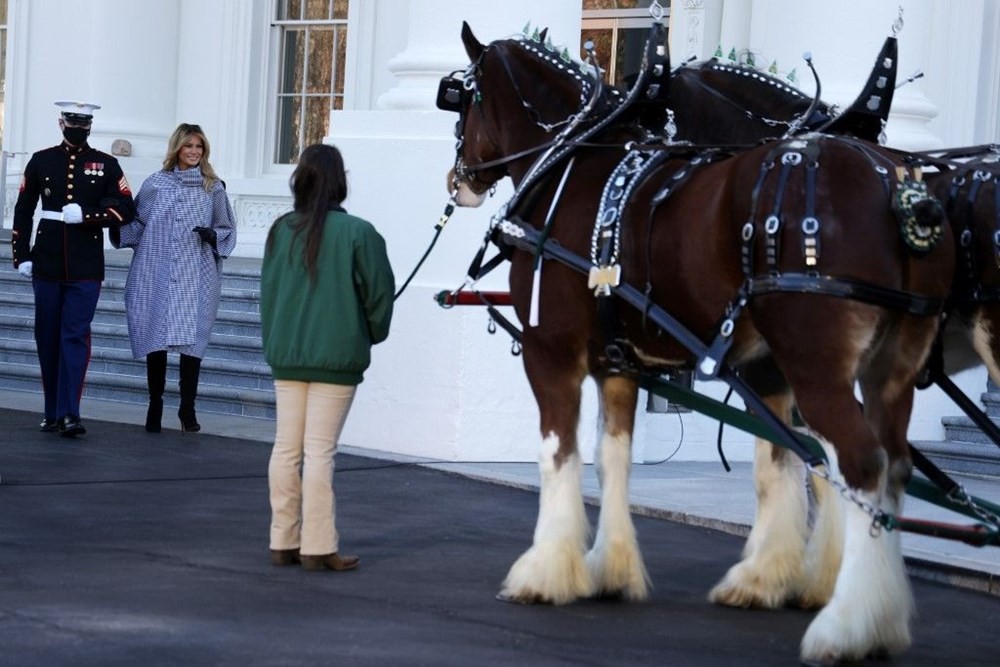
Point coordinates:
pixel 24 268
pixel 72 214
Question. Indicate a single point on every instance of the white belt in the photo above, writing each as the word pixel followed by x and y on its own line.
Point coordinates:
pixel 52 215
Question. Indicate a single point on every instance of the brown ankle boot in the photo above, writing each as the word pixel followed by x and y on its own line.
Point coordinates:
pixel 330 562
pixel 280 557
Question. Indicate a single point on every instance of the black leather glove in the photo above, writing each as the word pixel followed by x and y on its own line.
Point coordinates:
pixel 207 235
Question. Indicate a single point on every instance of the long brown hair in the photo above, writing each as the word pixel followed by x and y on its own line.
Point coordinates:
pixel 319 184
pixel 177 140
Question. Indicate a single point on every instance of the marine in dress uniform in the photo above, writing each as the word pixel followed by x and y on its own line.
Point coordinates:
pixel 83 191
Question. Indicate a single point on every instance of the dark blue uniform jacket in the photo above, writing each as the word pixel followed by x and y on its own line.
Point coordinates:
pixel 63 175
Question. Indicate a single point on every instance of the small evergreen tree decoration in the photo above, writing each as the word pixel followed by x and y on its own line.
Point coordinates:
pixel 751 61
pixel 793 77
pixel 732 54
pixel 526 30
pixel 718 51
pixel 773 69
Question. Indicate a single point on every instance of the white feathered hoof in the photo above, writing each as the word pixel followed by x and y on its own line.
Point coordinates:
pixel 746 585
pixel 547 574
pixel 618 571
pixel 838 635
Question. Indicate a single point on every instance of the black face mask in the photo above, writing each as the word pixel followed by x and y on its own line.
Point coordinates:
pixel 76 135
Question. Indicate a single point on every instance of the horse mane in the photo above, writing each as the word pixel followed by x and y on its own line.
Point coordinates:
pixel 727 95
pixel 561 62
pixel 747 73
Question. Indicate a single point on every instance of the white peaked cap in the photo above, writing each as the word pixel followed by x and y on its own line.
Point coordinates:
pixel 83 110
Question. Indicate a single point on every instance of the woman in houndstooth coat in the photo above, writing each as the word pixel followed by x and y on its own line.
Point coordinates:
pixel 183 229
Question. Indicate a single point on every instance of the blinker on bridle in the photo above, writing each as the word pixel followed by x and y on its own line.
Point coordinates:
pixel 451 93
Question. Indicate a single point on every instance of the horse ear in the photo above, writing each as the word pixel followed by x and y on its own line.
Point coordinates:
pixel 472 45
pixel 542 34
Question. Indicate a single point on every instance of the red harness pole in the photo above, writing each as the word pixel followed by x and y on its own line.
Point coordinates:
pixel 465 298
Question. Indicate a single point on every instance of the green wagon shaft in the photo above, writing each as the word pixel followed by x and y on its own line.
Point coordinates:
pixel 984 532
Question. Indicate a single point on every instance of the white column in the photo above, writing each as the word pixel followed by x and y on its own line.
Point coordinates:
pixel 988 118
pixel 962 69
pixel 116 53
pixel 454 390
pixel 688 31
pixel 214 71
pixel 433 46
pixel 119 54
pixel 735 28
pixel 134 75
pixel 844 41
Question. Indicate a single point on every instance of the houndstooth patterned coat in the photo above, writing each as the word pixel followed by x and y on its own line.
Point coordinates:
pixel 174 282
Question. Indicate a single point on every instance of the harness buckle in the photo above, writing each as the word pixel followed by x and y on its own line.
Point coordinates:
pixel 602 278
pixel 791 158
pixel 772 225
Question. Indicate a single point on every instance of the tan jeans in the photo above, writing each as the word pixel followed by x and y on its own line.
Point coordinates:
pixel 310 417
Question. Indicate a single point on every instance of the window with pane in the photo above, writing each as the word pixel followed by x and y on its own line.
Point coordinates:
pixel 312 44
pixel 618 29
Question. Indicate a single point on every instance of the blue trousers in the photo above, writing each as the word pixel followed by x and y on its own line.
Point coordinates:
pixel 63 313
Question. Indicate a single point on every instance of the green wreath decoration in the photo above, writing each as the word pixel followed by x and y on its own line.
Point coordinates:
pixel 923 227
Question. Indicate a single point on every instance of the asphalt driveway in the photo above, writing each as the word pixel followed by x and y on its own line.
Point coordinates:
pixel 128 548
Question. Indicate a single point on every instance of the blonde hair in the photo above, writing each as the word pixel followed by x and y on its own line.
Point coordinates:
pixel 177 140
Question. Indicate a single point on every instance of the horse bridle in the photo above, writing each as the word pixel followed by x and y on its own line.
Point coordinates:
pixel 462 94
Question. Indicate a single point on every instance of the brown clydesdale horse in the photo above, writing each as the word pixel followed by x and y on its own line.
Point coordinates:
pixel 746 106
pixel 793 246
pixel 741 105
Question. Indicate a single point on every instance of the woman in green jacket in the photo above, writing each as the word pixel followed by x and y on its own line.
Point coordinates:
pixel 326 298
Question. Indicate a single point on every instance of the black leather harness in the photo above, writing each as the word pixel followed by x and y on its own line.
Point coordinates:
pixel 970 288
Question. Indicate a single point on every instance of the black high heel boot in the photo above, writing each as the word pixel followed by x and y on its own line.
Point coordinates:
pixel 156 379
pixel 190 370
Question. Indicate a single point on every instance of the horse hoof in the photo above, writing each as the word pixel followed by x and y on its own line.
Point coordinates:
pixel 742 597
pixel 504 596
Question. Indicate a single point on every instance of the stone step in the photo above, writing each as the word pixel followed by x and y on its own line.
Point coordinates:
pixel 961 429
pixel 245 322
pixel 130 389
pixel 244 349
pixel 238 273
pixel 234 378
pixel 963 457
pixel 235 300
pixel 991 403
pixel 116 361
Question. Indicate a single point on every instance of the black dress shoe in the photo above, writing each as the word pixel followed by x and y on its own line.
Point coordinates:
pixel 72 427
pixel 49 425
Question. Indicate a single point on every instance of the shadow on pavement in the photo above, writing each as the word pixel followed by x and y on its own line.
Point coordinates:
pixel 126 548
